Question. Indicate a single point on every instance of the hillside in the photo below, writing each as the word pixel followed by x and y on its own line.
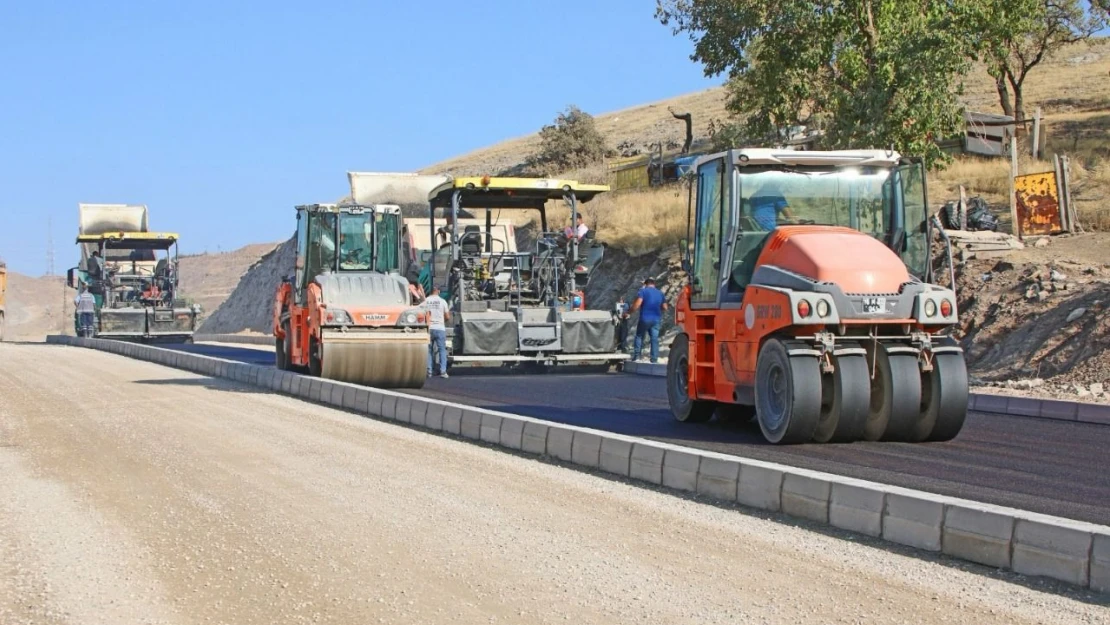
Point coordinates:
pixel 34 306
pixel 1069 87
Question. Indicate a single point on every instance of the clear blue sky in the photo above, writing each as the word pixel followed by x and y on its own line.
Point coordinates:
pixel 220 116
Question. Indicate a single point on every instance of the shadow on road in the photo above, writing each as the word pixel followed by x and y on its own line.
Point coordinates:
pixel 215 384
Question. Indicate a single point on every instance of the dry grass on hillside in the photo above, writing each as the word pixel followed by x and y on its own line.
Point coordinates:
pixel 641 125
pixel 1072 89
pixel 990 178
pixel 637 222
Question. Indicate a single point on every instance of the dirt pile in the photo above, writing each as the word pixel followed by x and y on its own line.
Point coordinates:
pixel 35 306
pixel 1039 318
pixel 208 279
pixel 250 307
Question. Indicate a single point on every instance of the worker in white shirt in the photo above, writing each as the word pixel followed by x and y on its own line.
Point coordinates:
pixel 86 311
pixel 579 232
pixel 439 314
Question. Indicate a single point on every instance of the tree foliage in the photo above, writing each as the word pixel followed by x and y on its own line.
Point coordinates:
pixel 572 142
pixel 873 73
pixel 1018 34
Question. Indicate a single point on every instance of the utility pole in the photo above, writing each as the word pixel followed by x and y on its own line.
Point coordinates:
pixel 49 246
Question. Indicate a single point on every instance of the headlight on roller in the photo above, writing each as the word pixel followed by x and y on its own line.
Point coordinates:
pixel 337 317
pixel 930 308
pixel 823 309
pixel 411 317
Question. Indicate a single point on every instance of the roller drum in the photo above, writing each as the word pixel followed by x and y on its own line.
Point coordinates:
pixel 382 361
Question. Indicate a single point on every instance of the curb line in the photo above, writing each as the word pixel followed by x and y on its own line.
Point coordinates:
pixel 1058 410
pixel 1027 543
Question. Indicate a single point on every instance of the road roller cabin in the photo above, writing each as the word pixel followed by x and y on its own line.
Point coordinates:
pixel 347 314
pixel 808 305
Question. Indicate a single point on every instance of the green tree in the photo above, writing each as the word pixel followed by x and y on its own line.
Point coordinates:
pixel 872 73
pixel 572 142
pixel 1019 34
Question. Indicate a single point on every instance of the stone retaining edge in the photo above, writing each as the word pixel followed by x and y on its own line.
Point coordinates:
pixel 1028 543
pixel 1059 410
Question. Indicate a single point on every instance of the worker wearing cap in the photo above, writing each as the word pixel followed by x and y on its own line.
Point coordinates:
pixel 651 303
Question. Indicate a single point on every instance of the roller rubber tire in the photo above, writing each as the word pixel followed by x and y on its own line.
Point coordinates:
pixel 895 400
pixel 281 361
pixel 683 408
pixel 315 358
pixel 787 394
pixel 945 405
pixel 846 401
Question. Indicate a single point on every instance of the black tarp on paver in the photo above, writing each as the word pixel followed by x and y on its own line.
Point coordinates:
pixel 488 333
pixel 588 332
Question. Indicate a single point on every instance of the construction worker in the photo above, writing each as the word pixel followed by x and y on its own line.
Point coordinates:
pixel 86 311
pixel 444 232
pixel 579 231
pixel 621 315
pixel 96 266
pixel 651 303
pixel 438 316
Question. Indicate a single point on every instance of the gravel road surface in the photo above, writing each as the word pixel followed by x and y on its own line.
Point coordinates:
pixel 1051 467
pixel 136 493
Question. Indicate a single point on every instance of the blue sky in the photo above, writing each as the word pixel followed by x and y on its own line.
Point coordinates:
pixel 221 116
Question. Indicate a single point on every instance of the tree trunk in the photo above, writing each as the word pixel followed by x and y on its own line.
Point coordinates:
pixel 1004 96
pixel 1019 102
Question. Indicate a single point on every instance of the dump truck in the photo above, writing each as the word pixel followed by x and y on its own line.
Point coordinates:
pixel 517 308
pixel 808 304
pixel 3 291
pixel 133 277
pixel 347 313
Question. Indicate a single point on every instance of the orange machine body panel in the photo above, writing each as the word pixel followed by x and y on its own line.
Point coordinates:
pixel 723 349
pixel 857 262
pixel 305 321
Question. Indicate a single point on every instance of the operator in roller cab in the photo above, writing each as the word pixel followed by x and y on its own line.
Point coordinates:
pixel 810 304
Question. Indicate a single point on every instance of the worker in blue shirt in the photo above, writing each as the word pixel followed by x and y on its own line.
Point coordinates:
pixel 651 303
pixel 766 206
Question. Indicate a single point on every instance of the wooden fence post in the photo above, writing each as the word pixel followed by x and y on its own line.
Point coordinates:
pixel 1036 151
pixel 1014 227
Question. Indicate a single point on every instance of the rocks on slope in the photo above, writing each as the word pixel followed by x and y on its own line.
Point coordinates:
pixel 250 306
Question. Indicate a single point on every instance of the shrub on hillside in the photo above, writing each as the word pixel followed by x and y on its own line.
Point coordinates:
pixel 572 142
